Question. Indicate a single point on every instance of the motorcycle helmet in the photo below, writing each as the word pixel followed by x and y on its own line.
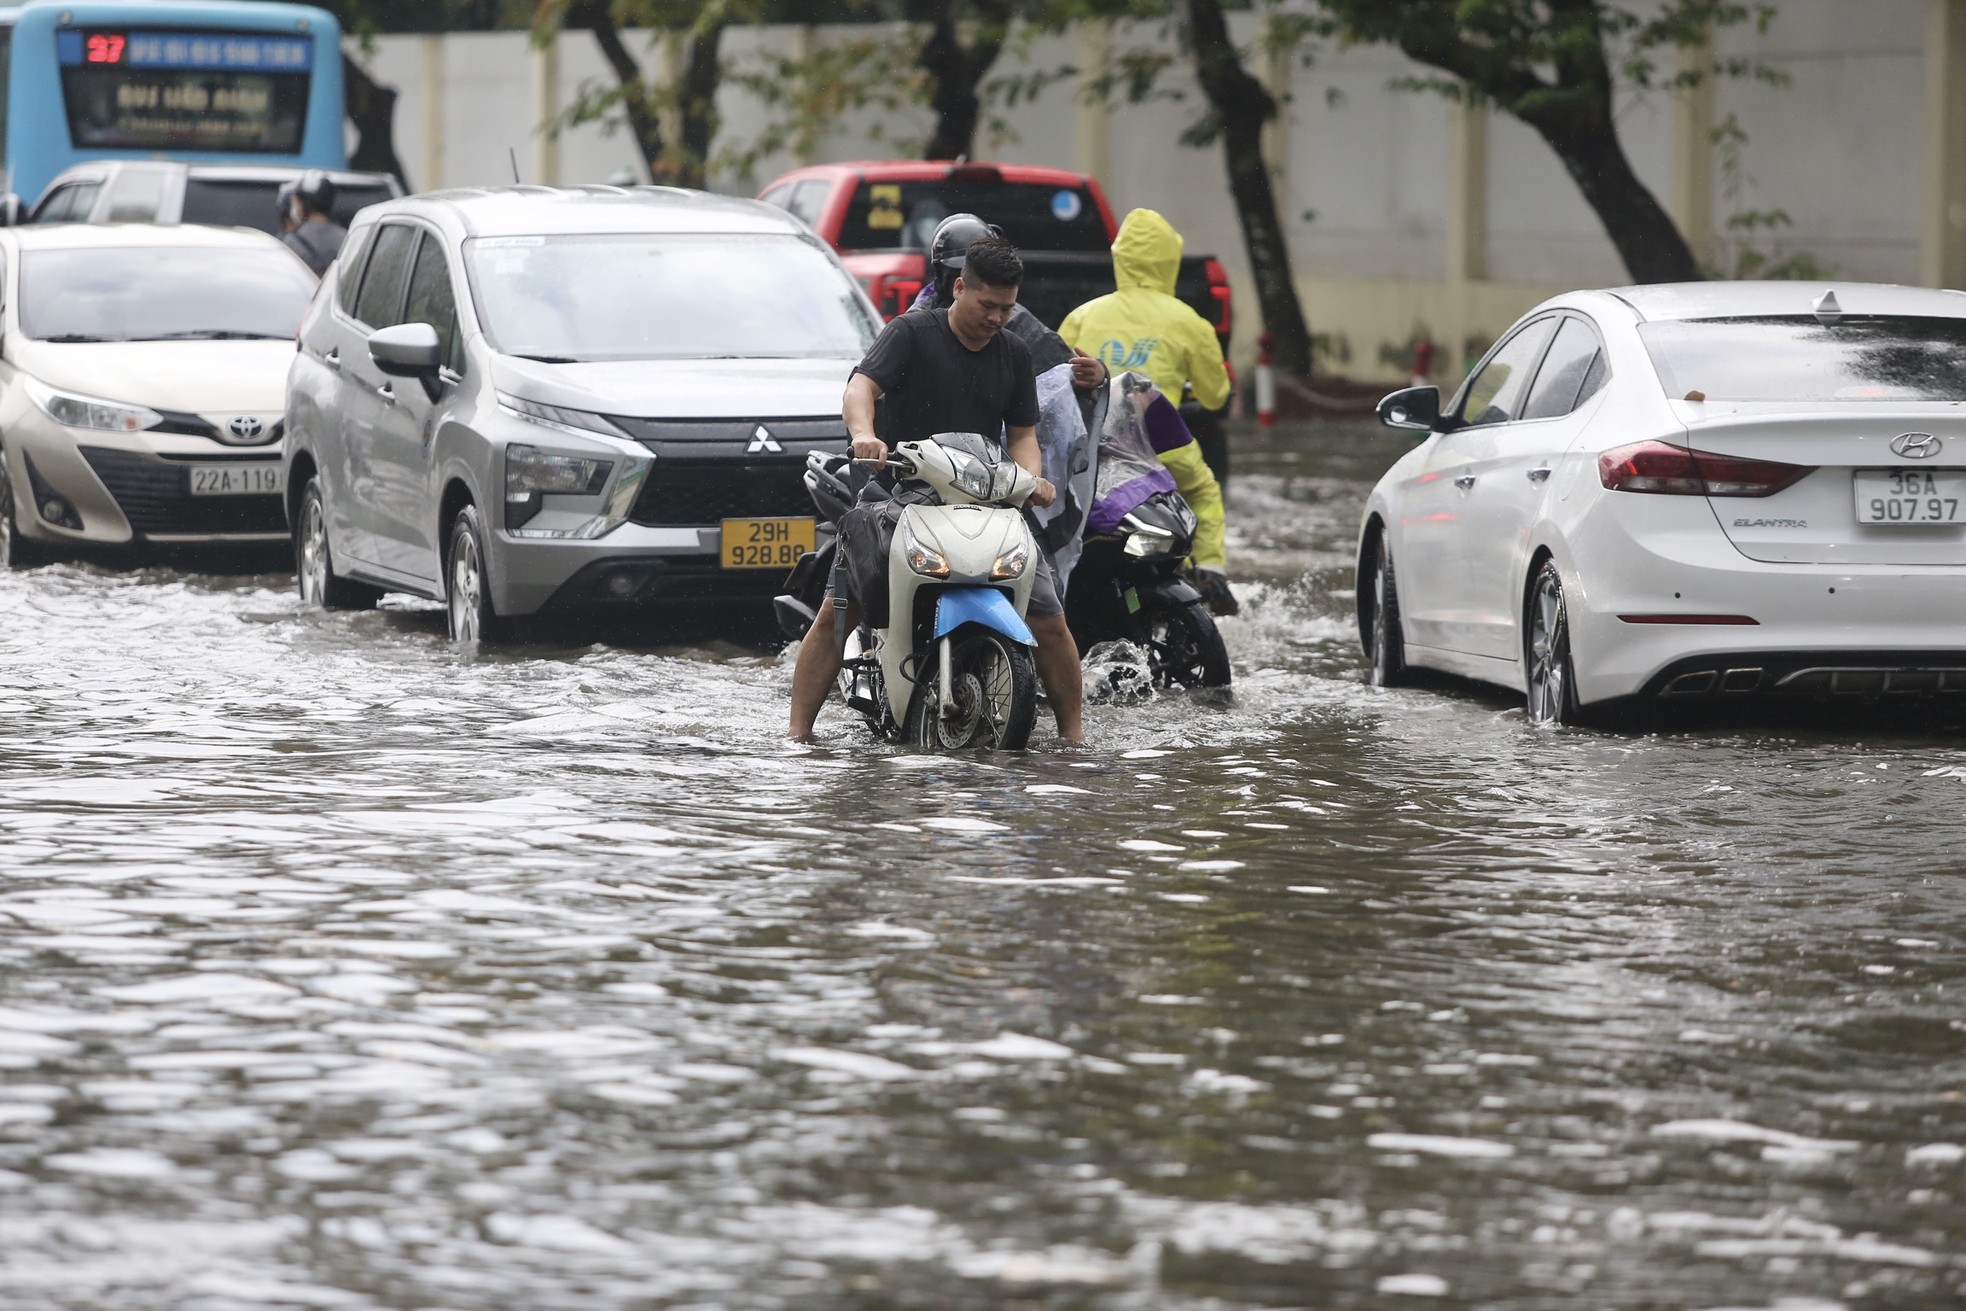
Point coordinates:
pixel 953 238
pixel 283 201
pixel 315 191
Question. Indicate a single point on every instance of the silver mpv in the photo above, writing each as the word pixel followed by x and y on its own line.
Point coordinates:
pixel 589 403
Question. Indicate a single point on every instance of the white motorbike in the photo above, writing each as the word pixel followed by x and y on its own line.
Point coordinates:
pixel 953 665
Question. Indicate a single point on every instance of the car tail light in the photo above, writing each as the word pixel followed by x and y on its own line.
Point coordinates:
pixel 1667 470
pixel 892 294
pixel 1218 290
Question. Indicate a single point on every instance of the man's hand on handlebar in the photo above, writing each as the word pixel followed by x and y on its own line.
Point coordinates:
pixel 872 450
pixel 1044 493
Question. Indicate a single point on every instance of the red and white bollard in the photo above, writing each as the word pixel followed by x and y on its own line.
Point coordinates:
pixel 1423 363
pixel 1266 384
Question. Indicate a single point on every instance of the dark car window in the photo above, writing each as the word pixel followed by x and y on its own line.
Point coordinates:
pixel 431 300
pixel 1559 383
pixel 229 204
pixel 380 301
pixel 904 215
pixel 1856 358
pixel 352 197
pixel 808 201
pixel 348 269
pixel 1495 393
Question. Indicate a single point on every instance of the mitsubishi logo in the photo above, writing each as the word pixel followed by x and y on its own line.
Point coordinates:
pixel 762 440
pixel 1916 445
pixel 245 428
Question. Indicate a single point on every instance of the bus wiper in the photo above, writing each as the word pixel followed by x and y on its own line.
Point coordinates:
pixel 211 334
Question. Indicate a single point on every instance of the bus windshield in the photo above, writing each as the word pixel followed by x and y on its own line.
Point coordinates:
pixel 150 293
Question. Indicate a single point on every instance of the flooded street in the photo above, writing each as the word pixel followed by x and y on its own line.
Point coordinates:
pixel 339 970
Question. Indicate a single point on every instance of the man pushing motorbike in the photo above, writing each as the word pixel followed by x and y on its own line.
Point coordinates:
pixel 950 370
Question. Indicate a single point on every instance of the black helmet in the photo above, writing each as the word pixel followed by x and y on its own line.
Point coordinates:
pixel 953 238
pixel 316 191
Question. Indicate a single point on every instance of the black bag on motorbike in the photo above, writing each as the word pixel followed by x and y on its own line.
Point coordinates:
pixel 867 535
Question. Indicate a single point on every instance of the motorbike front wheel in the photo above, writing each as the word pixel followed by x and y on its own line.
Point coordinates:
pixel 995 684
pixel 1185 649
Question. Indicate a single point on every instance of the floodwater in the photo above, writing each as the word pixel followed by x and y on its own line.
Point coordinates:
pixel 339 970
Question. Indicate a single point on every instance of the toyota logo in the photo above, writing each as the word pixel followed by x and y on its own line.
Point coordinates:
pixel 246 428
pixel 1916 445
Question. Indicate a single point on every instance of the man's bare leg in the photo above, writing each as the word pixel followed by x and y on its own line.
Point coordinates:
pixel 818 665
pixel 1058 670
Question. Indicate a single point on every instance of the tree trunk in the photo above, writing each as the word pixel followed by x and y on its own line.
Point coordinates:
pixel 372 112
pixel 1243 107
pixel 957 71
pixel 642 120
pixel 698 109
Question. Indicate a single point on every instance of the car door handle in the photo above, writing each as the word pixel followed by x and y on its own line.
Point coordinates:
pixel 1538 475
pixel 1465 481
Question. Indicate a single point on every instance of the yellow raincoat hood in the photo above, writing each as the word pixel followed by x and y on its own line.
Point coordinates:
pixel 1146 253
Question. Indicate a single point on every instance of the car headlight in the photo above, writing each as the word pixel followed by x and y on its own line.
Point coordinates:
pixel 558 416
pixel 73 411
pixel 924 559
pixel 1011 564
pixel 531 473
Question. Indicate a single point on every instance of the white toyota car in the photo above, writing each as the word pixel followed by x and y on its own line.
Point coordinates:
pixel 1698 492
pixel 143 385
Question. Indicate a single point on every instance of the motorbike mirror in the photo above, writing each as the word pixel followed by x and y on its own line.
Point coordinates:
pixel 1416 409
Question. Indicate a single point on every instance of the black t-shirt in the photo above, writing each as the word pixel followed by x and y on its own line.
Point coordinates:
pixel 930 382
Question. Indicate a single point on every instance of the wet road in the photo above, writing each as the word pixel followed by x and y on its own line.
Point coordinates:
pixel 340 971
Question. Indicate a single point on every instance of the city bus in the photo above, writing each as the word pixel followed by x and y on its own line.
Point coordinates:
pixel 215 81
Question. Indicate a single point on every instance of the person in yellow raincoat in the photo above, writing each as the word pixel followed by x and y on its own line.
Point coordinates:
pixel 1143 328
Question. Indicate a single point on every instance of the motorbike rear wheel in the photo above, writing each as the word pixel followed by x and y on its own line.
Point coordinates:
pixel 995 682
pixel 1185 648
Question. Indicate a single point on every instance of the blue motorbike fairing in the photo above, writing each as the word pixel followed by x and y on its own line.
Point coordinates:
pixel 980 605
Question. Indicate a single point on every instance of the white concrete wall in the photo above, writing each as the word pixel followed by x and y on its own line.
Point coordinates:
pixel 1364 169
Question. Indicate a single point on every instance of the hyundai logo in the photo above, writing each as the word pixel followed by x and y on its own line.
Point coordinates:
pixel 1916 445
pixel 762 440
pixel 245 428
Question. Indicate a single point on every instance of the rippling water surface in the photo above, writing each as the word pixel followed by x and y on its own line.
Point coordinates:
pixel 339 970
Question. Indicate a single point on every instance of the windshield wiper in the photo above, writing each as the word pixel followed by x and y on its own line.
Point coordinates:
pixel 68 338
pixel 547 359
pixel 211 334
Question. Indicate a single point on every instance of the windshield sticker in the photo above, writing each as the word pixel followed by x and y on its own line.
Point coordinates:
pixel 1066 206
pixel 884 207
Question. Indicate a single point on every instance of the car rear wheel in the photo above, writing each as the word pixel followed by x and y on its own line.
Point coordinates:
pixel 1385 643
pixel 1548 669
pixel 467 586
pixel 16 552
pixel 314 573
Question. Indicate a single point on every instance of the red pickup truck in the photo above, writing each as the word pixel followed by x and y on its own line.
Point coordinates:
pixel 880 216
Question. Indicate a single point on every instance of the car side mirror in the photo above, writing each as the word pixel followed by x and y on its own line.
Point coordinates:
pixel 13 211
pixel 408 350
pixel 1415 408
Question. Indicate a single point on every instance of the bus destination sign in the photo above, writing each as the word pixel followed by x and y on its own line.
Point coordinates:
pixel 191 52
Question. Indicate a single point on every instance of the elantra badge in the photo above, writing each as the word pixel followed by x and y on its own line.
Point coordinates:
pixel 1916 445
pixel 762 440
pixel 245 428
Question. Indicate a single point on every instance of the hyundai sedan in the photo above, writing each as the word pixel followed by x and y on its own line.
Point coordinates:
pixel 590 403
pixel 1699 493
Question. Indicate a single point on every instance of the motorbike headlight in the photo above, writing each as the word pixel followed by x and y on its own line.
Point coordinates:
pixel 1011 564
pixel 531 473
pixel 924 559
pixel 972 475
pixel 1146 541
pixel 87 412
pixel 558 416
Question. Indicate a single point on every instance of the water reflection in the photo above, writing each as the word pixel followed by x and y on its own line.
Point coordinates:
pixel 342 971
